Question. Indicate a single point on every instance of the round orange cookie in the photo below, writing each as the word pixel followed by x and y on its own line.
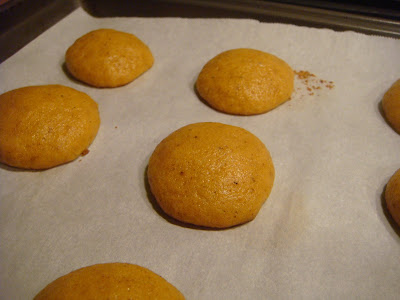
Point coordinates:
pixel 211 174
pixel 392 196
pixel 245 82
pixel 45 126
pixel 110 281
pixel 391 105
pixel 108 58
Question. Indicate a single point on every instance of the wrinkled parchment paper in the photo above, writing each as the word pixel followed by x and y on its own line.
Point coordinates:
pixel 322 234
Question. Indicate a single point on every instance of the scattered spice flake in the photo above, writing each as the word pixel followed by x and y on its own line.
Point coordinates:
pixel 116 127
pixel 312 82
pixel 85 152
pixel 304 74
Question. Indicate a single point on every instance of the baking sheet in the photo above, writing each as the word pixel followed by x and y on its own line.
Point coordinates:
pixel 323 232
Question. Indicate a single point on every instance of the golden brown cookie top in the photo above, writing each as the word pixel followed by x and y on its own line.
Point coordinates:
pixel 391 105
pixel 45 126
pixel 245 82
pixel 108 58
pixel 392 196
pixel 211 174
pixel 110 281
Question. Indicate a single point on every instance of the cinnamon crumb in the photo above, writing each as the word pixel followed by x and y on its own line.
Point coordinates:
pixel 303 74
pixel 312 83
pixel 330 86
pixel 85 152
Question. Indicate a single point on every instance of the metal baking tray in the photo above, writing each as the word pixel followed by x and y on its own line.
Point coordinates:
pixel 367 19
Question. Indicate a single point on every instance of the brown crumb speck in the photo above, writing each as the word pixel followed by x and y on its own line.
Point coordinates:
pixel 85 152
pixel 312 83
pixel 330 86
pixel 303 74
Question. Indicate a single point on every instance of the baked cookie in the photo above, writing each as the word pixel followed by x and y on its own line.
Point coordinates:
pixel 391 105
pixel 110 281
pixel 392 196
pixel 45 126
pixel 245 82
pixel 211 174
pixel 108 58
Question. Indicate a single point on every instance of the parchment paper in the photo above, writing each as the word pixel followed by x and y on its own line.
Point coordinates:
pixel 322 234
